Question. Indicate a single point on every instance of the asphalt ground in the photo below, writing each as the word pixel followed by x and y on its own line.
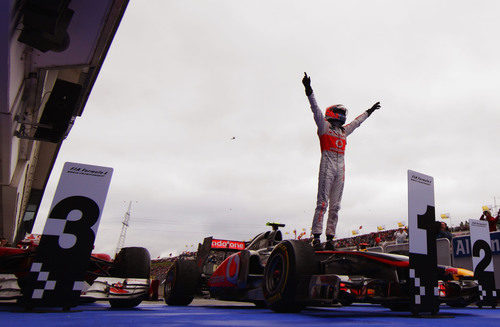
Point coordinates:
pixel 221 313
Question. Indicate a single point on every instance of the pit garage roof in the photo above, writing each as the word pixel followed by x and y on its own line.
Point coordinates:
pixel 42 91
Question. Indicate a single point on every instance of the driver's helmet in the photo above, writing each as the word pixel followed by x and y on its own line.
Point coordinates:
pixel 336 112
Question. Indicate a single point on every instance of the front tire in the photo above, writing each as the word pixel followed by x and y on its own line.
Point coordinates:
pixel 131 262
pixel 288 263
pixel 181 283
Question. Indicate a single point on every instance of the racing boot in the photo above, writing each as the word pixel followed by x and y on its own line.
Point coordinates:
pixel 316 243
pixel 329 246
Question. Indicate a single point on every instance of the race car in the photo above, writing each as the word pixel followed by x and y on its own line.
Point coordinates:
pixel 237 278
pixel 459 290
pixel 124 281
pixel 296 276
pixel 289 275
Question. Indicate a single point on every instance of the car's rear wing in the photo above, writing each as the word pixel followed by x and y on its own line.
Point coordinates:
pixel 203 252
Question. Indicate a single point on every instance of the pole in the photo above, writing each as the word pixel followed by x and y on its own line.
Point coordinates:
pixel 121 239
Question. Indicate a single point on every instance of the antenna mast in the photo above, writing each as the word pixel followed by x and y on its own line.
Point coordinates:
pixel 121 240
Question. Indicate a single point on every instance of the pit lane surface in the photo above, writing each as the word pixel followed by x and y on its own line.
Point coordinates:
pixel 219 313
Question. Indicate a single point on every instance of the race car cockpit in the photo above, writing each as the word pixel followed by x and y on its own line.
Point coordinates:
pixel 266 239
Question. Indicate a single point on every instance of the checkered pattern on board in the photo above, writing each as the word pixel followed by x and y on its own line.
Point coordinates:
pixel 43 276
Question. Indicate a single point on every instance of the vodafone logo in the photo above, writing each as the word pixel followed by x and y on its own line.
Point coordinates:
pixel 339 143
pixel 335 143
pixel 225 244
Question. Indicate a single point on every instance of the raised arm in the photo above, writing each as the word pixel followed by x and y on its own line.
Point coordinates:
pixel 319 118
pixel 349 128
pixel 376 106
pixel 306 80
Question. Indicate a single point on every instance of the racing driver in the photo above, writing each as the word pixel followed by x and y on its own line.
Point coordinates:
pixel 332 137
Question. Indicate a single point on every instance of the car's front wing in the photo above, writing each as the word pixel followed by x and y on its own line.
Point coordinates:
pixel 9 288
pixel 111 288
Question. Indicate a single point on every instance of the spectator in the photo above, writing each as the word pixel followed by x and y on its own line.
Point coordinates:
pixel 400 236
pixel 362 246
pixel 492 221
pixel 442 231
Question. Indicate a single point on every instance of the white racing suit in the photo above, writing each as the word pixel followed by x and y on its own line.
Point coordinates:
pixel 331 169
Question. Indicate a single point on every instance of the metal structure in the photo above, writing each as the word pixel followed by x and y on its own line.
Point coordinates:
pixel 123 234
pixel 51 53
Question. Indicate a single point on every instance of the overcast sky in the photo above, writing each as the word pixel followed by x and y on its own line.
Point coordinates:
pixel 182 78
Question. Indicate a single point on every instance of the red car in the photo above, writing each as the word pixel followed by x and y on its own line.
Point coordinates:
pixel 124 282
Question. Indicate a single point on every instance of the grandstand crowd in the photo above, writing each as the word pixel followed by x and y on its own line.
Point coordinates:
pixel 389 236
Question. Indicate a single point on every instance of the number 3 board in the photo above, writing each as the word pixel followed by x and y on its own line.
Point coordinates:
pixel 57 273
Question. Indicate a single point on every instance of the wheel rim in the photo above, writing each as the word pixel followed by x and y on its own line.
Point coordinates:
pixel 276 273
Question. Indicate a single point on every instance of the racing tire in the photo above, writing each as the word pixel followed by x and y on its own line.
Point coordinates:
pixel 181 283
pixel 131 262
pixel 289 261
pixel 466 292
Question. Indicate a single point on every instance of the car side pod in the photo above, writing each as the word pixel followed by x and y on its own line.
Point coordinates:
pixel 287 276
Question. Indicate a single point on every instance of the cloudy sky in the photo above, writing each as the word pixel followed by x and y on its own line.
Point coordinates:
pixel 182 78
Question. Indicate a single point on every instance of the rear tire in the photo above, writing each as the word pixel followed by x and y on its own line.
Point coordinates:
pixel 181 283
pixel 287 264
pixel 131 262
